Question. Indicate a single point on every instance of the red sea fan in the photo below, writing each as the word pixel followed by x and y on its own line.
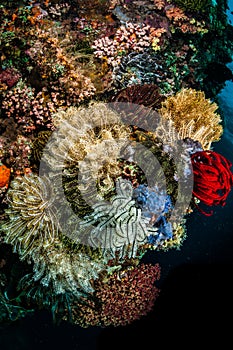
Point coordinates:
pixel 212 178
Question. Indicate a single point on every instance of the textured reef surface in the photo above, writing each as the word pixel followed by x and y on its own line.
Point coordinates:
pixel 109 114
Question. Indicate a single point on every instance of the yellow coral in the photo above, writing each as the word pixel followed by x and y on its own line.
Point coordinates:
pixel 194 116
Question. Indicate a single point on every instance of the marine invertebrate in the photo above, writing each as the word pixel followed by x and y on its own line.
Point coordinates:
pixel 16 152
pixel 118 226
pixel 33 231
pixel 213 178
pixel 32 221
pixel 196 6
pixel 88 157
pixel 28 108
pixel 63 270
pixel 178 237
pixel 156 208
pixel 186 23
pixel 129 37
pixel 9 76
pixel 194 116
pixel 122 298
pixel 138 68
pixel 39 144
pixel 153 202
pixel 147 95
pixel 159 4
pixel 4 175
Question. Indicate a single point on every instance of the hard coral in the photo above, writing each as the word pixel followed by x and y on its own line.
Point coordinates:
pixel 29 109
pixel 196 6
pixel 130 37
pixel 9 76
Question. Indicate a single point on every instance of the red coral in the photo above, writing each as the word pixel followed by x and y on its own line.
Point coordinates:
pixel 212 178
pixel 125 297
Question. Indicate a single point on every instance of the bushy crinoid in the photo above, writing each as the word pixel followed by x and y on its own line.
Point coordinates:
pixel 32 220
pixel 33 231
pixel 194 116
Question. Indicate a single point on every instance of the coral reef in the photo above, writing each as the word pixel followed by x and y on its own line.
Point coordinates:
pixel 213 178
pixel 124 297
pixel 4 175
pixel 33 229
pixel 118 226
pixel 147 95
pixel 194 116
pixel 108 117
pixel 197 6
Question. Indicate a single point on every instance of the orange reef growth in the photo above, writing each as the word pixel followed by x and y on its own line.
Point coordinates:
pixel 4 175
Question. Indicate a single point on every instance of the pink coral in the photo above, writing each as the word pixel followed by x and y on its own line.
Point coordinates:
pixel 128 37
pixel 28 108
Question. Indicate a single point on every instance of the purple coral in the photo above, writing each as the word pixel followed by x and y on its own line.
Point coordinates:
pixel 9 76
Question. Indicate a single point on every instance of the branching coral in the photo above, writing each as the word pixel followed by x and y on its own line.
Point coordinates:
pixel 128 38
pixel 29 109
pixel 196 6
pixel 194 116
pixel 16 153
pixel 9 76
